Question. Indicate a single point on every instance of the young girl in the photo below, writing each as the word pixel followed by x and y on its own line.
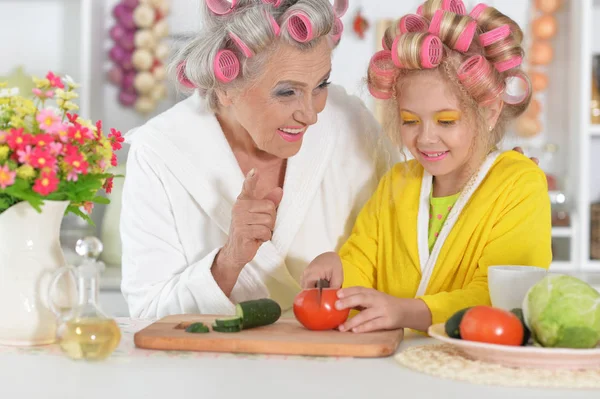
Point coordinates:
pixel 421 246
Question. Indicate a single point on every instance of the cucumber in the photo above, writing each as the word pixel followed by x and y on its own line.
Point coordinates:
pixel 223 329
pixel 230 322
pixel 452 326
pixel 258 312
pixel 197 328
pixel 526 333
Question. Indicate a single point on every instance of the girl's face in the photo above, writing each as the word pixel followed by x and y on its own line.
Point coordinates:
pixel 277 109
pixel 435 129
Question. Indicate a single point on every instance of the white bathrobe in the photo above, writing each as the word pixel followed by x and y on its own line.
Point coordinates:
pixel 182 180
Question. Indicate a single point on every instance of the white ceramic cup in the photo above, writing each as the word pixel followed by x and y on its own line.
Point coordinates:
pixel 508 284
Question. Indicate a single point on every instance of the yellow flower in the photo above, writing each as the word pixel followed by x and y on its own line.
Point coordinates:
pixel 4 150
pixel 26 172
pixel 3 84
pixel 69 106
pixel 86 123
pixel 16 122
pixel 65 95
pixel 41 83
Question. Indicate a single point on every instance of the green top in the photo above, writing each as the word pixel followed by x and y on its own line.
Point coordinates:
pixel 438 212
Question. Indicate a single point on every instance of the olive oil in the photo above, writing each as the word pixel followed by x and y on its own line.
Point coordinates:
pixel 90 338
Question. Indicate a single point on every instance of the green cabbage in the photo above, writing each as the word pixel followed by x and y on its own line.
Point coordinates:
pixel 563 312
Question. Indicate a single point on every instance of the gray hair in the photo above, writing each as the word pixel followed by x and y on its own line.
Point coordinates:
pixel 249 21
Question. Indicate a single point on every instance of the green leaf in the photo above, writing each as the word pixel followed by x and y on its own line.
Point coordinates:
pixel 101 200
pixel 78 212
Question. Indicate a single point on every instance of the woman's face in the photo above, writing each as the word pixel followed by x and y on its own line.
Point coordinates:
pixel 277 109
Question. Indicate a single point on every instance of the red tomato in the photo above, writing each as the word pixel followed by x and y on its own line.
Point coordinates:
pixel 315 316
pixel 491 325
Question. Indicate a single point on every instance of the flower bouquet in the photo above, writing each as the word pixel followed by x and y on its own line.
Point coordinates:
pixel 52 162
pixel 49 153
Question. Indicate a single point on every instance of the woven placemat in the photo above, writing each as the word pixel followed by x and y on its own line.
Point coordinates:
pixel 445 361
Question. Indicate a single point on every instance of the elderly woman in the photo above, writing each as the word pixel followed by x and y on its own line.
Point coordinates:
pixel 233 191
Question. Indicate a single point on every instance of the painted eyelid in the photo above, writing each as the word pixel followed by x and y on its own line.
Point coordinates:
pixel 448 116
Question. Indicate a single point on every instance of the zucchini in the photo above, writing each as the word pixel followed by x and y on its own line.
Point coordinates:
pixel 452 325
pixel 258 312
pixel 223 329
pixel 526 333
pixel 230 322
pixel 197 328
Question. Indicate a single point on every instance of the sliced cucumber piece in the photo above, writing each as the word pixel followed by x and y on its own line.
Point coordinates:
pixel 258 312
pixel 224 329
pixel 229 322
pixel 197 328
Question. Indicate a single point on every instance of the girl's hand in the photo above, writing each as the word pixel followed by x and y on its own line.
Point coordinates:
pixel 379 311
pixel 327 266
pixel 520 151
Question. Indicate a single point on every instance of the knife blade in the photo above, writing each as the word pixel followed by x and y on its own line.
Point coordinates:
pixel 322 283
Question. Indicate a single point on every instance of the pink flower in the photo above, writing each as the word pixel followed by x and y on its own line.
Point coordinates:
pixel 43 95
pixel 25 155
pixel 115 139
pixel 7 177
pixel 75 159
pixel 89 207
pixel 113 160
pixel 108 185
pixel 49 122
pixel 3 136
pixel 41 158
pixel 72 176
pixel 55 81
pixel 55 149
pixel 102 164
pixel 78 133
pixel 47 183
pixel 42 140
pixel 17 140
pixel 63 133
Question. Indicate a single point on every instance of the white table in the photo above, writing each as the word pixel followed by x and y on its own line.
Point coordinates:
pixel 133 373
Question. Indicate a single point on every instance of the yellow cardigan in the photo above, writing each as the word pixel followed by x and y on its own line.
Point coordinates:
pixel 507 221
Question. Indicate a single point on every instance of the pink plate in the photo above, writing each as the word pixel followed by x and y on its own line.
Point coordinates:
pixel 521 356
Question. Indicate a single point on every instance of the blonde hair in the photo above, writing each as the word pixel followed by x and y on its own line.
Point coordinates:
pixel 250 22
pixel 476 72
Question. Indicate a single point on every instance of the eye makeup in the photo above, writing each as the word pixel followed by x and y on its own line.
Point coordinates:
pixel 447 117
pixel 409 118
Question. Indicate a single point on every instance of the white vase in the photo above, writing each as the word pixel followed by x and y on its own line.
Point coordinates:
pixel 30 253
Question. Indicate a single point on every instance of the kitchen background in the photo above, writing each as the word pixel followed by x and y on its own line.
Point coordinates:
pixel 562 127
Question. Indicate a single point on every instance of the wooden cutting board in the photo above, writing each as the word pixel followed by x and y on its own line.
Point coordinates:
pixel 285 337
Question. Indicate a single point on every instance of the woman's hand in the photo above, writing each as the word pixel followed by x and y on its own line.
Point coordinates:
pixel 327 266
pixel 379 311
pixel 252 224
pixel 520 150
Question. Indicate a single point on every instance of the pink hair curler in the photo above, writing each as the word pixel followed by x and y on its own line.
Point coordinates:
pixel 381 64
pixel 412 23
pixel 420 10
pixel 525 86
pixel 436 22
pixel 431 52
pixel 182 78
pixel 340 7
pixel 274 24
pixel 241 45
pixel 394 52
pixel 455 6
pixel 511 63
pixel 380 95
pixel 338 29
pixel 477 10
pixel 274 3
pixel 300 27
pixel 474 74
pixel 226 66
pixel 466 37
pixel 495 35
pixel 221 7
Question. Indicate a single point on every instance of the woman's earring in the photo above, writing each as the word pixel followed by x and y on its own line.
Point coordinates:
pixel 491 128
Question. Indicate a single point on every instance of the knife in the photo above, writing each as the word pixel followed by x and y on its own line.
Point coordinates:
pixel 322 283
